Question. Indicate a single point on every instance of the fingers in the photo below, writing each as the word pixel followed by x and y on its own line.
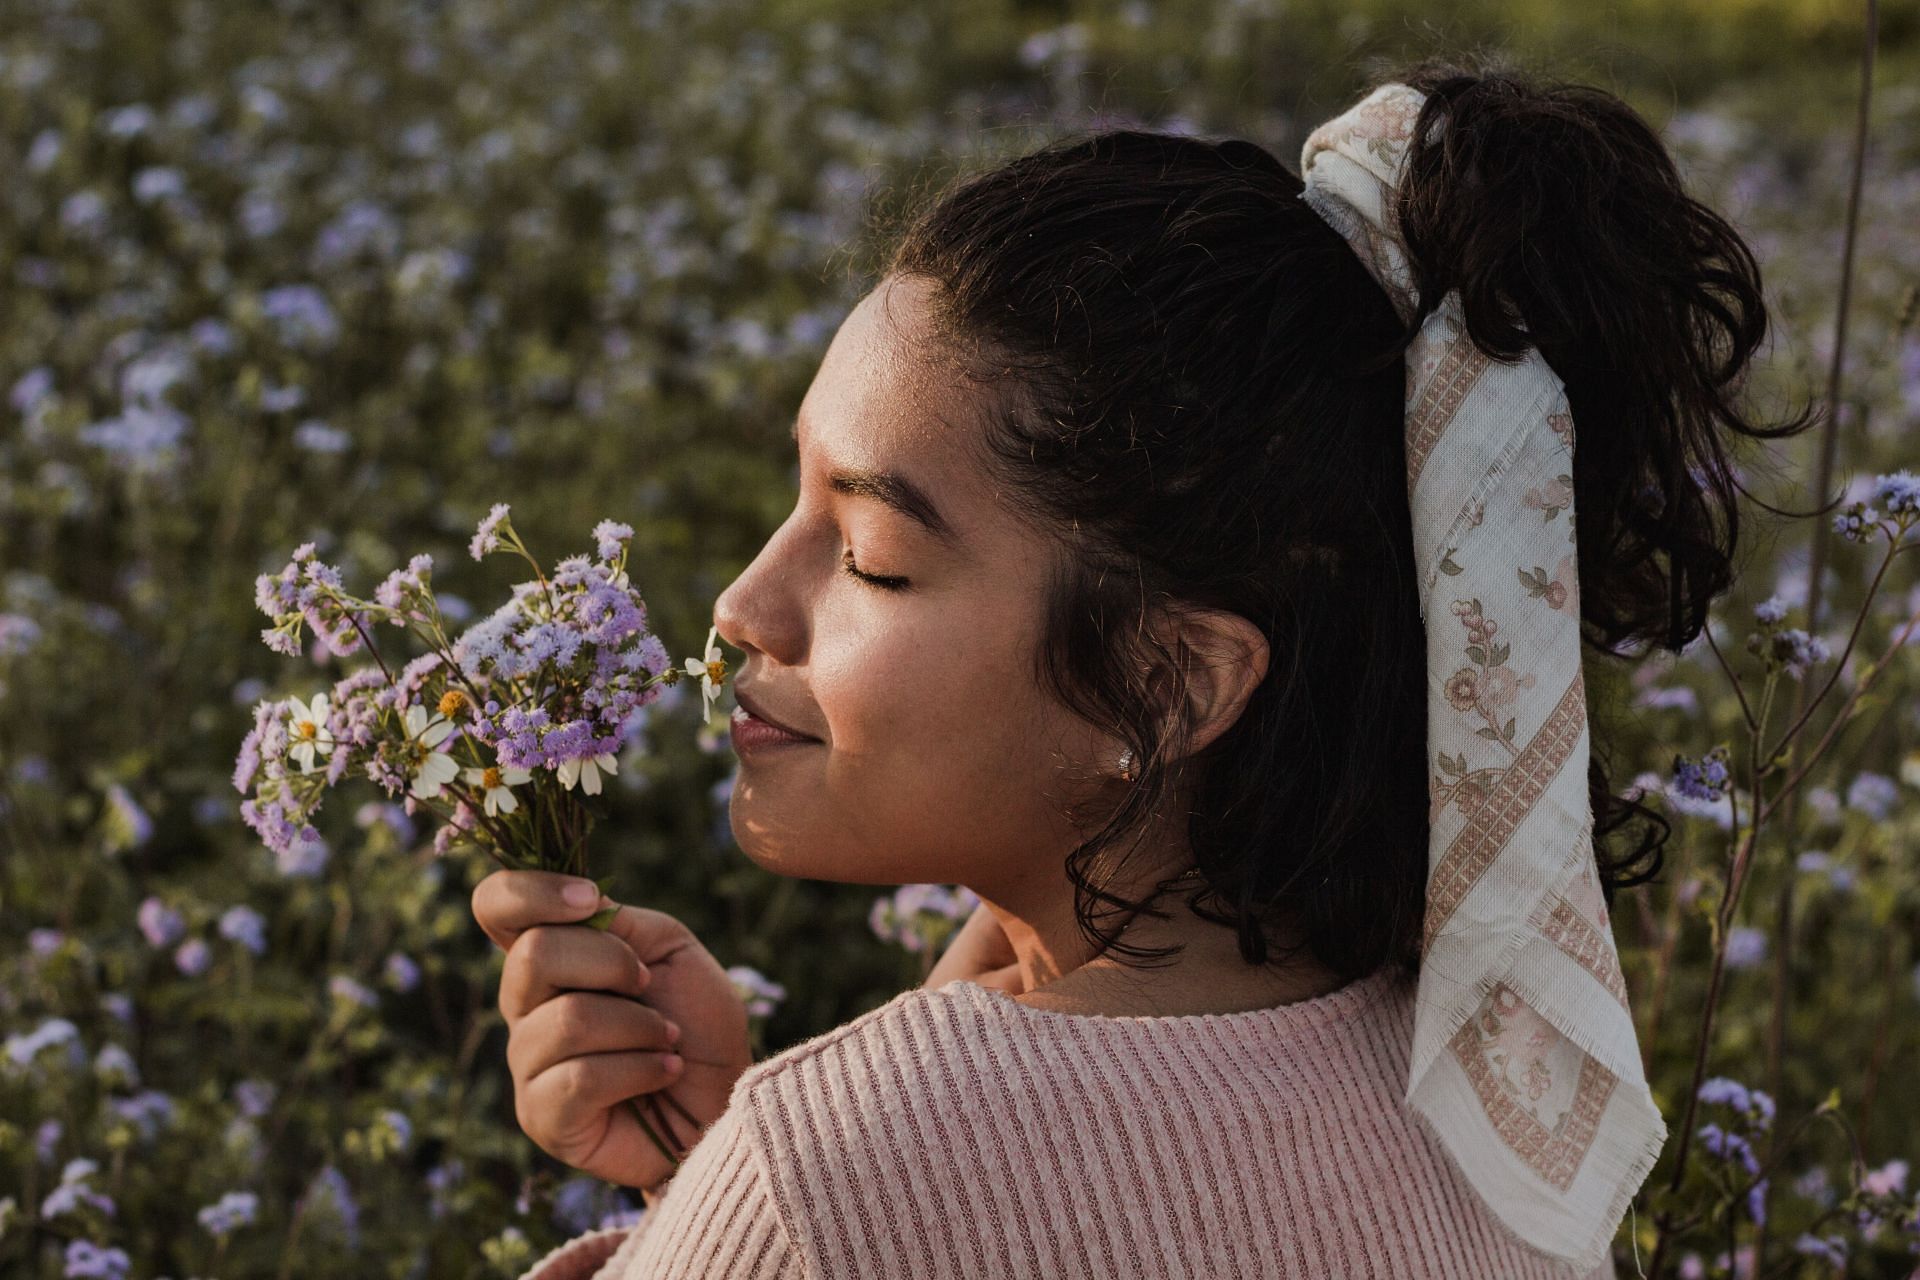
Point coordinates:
pixel 546 960
pixel 507 903
pixel 584 1023
pixel 574 1109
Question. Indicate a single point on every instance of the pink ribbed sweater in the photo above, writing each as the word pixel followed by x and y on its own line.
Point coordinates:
pixel 958 1132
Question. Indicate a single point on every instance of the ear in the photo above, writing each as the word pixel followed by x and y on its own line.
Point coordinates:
pixel 1226 659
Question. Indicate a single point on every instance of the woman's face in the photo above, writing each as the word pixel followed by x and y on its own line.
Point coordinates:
pixel 939 759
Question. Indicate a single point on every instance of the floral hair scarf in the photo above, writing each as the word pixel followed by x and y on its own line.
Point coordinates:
pixel 1525 1062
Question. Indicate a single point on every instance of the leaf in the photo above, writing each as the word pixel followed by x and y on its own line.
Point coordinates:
pixel 1508 731
pixel 1487 733
pixel 1447 566
pixel 1500 653
pixel 1478 654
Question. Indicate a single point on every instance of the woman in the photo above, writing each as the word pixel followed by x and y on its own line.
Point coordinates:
pixel 1098 600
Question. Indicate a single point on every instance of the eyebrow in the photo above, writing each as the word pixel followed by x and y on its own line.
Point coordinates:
pixel 893 490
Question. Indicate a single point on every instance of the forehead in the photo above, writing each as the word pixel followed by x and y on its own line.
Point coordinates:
pixel 882 401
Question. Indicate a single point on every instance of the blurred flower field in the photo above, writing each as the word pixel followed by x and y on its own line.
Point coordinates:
pixel 350 275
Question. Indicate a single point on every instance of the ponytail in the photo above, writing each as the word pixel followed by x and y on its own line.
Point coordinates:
pixel 1557 213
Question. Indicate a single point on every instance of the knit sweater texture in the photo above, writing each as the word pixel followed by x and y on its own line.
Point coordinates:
pixel 959 1132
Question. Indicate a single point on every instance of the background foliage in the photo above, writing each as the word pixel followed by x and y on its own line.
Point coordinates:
pixel 352 272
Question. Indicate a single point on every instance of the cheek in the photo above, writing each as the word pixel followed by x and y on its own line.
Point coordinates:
pixel 944 761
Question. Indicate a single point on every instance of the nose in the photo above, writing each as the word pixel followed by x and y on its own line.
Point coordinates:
pixel 762 610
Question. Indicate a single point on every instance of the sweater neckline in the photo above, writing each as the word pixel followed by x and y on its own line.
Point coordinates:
pixel 1335 1006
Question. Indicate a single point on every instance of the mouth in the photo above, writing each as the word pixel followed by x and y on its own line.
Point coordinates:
pixel 748 718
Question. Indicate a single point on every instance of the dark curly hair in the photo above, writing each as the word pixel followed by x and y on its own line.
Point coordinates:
pixel 1191 380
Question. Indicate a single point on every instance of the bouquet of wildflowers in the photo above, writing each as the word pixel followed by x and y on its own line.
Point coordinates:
pixel 503 734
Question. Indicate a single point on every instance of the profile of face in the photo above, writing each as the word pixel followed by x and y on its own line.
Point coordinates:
pixel 940 759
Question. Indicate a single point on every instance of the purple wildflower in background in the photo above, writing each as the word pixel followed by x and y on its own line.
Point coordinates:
pixel 1770 612
pixel 403 975
pixel 160 923
pixel 301 315
pixel 253 1097
pixel 192 957
pixel 44 942
pixel 85 1258
pixel 760 994
pixel 74 1191
pixel 1873 794
pixel 441 1180
pixel 1898 493
pixel 1890 1179
pixel 149 1110
pixel 244 925
pixel 116 1066
pixel 1831 1249
pixel 329 1190
pixel 304 858
pixel 345 987
pixel 23 1047
pixel 232 1211
pixel 1705 779
pixel 46 1138
pixel 1746 947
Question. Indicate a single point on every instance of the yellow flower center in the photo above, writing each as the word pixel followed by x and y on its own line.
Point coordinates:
pixel 308 729
pixel 717 670
pixel 490 779
pixel 451 703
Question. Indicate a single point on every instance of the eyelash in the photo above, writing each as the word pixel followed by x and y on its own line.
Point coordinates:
pixel 871 579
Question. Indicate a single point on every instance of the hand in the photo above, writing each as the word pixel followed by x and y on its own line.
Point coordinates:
pixel 592 1017
pixel 980 953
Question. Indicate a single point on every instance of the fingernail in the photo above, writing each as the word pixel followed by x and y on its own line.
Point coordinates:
pixel 671 1062
pixel 673 1032
pixel 580 893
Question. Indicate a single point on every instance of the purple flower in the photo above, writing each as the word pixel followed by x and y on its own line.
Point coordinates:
pixel 161 923
pixel 1705 779
pixel 329 1190
pixel 486 538
pixel 85 1258
pixel 192 957
pixel 304 858
pixel 1770 612
pixel 1874 794
pixel 233 1210
pixel 44 942
pixel 253 1097
pixel 1899 493
pixel 344 987
pixel 760 994
pixel 1831 1249
pixel 1889 1179
pixel 74 1191
pixel 149 1109
pixel 46 1138
pixel 301 314
pixel 23 1048
pixel 609 536
pixel 1746 947
pixel 1857 522
pixel 246 926
pixel 403 975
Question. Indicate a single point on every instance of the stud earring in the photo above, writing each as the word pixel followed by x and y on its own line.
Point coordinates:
pixel 1126 765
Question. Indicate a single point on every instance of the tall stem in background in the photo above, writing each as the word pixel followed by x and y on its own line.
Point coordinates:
pixel 1816 570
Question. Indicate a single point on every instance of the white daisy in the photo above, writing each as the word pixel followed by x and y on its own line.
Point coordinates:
pixel 586 772
pixel 494 782
pixel 710 669
pixel 431 769
pixel 307 730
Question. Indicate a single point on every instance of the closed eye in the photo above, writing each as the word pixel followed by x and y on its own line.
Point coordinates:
pixel 871 579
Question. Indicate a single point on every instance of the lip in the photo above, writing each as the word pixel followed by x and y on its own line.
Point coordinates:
pixel 761 726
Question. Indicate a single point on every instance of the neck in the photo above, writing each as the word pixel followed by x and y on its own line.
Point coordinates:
pixel 1059 969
